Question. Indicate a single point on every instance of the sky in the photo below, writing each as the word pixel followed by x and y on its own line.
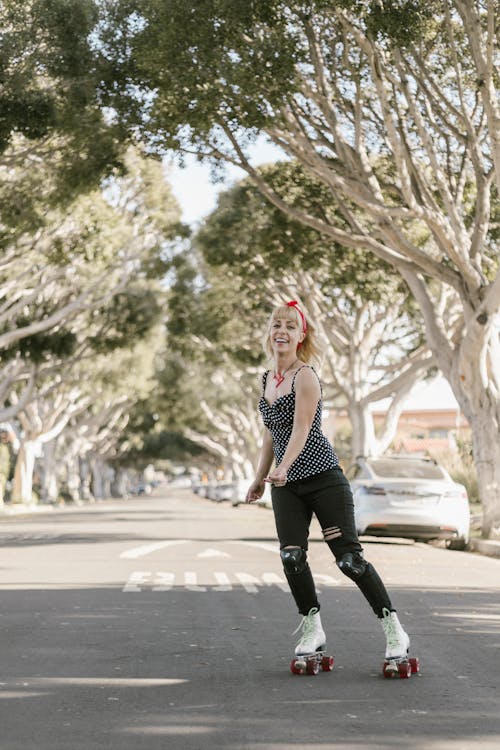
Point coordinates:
pixel 434 395
pixel 197 196
pixel 193 188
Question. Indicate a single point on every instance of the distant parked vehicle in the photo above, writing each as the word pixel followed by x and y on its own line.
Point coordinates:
pixel 180 483
pixel 223 491
pixel 241 489
pixel 409 497
pixel 143 489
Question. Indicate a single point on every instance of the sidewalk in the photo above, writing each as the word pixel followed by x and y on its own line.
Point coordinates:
pixel 19 509
pixel 485 547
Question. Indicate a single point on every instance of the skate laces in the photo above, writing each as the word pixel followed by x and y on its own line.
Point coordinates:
pixel 390 629
pixel 306 625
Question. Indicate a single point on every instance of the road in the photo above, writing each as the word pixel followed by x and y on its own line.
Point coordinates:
pixel 165 622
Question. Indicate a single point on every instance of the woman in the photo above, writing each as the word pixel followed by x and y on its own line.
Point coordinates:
pixel 307 479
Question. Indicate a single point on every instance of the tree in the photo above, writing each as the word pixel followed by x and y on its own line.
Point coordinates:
pixel 206 377
pixel 371 332
pixel 87 289
pixel 55 138
pixel 392 106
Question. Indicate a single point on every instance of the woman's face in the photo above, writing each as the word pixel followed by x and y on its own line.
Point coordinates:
pixel 285 335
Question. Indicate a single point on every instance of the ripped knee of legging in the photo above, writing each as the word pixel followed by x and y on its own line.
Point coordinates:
pixel 331 533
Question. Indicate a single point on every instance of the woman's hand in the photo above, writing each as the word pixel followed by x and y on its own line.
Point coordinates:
pixel 255 491
pixel 278 476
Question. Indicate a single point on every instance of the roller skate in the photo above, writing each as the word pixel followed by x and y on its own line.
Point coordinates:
pixel 397 662
pixel 310 650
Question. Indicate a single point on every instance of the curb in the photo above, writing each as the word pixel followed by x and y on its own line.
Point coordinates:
pixel 485 547
pixel 23 510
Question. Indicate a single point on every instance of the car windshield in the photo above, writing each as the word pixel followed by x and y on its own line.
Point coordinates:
pixel 406 469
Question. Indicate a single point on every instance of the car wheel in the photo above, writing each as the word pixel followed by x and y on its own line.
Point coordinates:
pixel 457 544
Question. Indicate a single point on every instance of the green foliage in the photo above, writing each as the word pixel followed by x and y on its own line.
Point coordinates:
pixel 161 448
pixel 129 317
pixel 55 141
pixel 50 72
pixel 202 60
pixel 108 253
pixel 41 347
pixel 256 240
pixel 461 468
pixel 197 63
pixel 210 316
pixel 402 22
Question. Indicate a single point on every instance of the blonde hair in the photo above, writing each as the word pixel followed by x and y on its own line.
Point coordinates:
pixel 309 351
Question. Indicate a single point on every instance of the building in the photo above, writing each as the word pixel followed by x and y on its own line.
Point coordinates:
pixel 431 423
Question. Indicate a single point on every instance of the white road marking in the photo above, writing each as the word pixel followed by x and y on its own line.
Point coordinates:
pixel 190 579
pixel 260 545
pixel 146 549
pixel 327 580
pixel 212 553
pixel 223 581
pixel 248 582
pixel 273 579
pixel 136 580
pixel 163 581
pixel 160 581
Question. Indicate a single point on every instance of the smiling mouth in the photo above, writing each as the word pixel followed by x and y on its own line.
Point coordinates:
pixel 281 341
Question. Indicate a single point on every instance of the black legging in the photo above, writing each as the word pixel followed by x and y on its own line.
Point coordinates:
pixel 328 495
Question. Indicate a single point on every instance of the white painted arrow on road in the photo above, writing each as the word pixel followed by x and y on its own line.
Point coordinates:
pixel 147 549
pixel 212 553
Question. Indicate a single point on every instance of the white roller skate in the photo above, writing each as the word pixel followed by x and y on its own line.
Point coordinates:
pixel 310 650
pixel 397 662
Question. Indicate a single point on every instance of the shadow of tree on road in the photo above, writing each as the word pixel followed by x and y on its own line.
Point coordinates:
pixel 96 667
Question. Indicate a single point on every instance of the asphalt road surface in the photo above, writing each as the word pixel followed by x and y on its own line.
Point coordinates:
pixel 165 622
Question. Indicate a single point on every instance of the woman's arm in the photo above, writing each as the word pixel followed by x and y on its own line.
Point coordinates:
pixel 307 395
pixel 266 457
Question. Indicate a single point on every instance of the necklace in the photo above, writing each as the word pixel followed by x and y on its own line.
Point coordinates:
pixel 279 377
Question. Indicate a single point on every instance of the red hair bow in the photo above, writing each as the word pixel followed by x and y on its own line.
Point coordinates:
pixel 295 304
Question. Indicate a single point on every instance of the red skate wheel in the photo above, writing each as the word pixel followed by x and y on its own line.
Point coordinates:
pixel 388 670
pixel 313 666
pixel 297 667
pixel 415 665
pixel 404 669
pixel 327 663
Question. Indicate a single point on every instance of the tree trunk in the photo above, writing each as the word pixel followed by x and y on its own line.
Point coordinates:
pixel 486 449
pixel 364 442
pixel 121 485
pixel 86 479
pixel 474 385
pixel 22 490
pixel 50 489
pixel 97 479
pixel 73 477
pixel 108 477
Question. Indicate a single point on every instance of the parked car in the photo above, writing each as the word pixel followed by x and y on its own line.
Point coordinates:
pixel 405 496
pixel 223 491
pixel 142 489
pixel 240 491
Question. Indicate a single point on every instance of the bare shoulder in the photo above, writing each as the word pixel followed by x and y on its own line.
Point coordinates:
pixel 307 379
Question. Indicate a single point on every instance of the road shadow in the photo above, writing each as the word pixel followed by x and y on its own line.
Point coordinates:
pixel 180 669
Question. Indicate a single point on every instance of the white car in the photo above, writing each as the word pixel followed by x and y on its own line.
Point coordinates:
pixel 405 496
pixel 241 488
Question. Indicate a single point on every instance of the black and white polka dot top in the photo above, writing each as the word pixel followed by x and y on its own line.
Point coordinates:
pixel 317 454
